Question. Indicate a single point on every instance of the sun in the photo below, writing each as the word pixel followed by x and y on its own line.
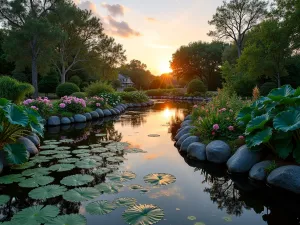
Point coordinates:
pixel 164 67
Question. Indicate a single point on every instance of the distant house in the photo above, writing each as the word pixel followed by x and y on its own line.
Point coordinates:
pixel 125 81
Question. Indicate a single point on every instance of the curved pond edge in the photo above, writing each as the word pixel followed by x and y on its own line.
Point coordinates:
pixel 242 162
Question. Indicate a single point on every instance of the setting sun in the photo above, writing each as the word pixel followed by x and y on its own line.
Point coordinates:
pixel 164 67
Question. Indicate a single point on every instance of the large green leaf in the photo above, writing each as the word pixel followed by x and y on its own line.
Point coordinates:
pixel 87 164
pixel 16 153
pixel 77 180
pixel 245 115
pixel 121 177
pixel 68 160
pixel 281 93
pixel 16 115
pixel 4 103
pixel 36 214
pixel 287 121
pixel 36 181
pixel 81 194
pixel 100 208
pixel 4 199
pixel 71 219
pixel 259 137
pixel 109 188
pixel 24 166
pixel 257 123
pixel 36 172
pixel 35 121
pixel 46 192
pixel 159 179
pixel 283 144
pixel 12 178
pixel 143 215
pixel 127 202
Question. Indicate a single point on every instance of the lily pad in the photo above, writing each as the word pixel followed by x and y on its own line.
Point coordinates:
pixel 46 192
pixel 100 207
pixel 62 156
pixel 95 145
pixel 36 172
pixel 48 146
pixel 144 191
pixel 61 167
pixel 135 150
pixel 101 171
pixel 72 219
pixel 4 199
pixel 153 135
pixel 41 159
pixel 36 181
pixel 81 194
pixel 12 178
pixel 97 158
pixel 66 141
pixel 109 188
pixel 83 155
pixel 143 215
pixel 100 135
pixel 107 154
pixel 121 177
pixel 107 142
pixel 227 218
pixel 80 151
pixel 136 187
pixel 63 148
pixel 159 179
pixel 36 214
pixel 127 202
pixel 199 223
pixel 23 166
pixel 99 150
pixel 83 147
pixel 115 159
pixel 77 180
pixel 68 160
pixel 191 217
pixel 87 164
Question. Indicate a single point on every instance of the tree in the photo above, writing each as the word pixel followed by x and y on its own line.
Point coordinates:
pixel 31 36
pixel 234 19
pixel 6 67
pixel 199 60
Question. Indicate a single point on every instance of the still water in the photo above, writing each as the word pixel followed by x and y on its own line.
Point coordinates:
pixel 203 192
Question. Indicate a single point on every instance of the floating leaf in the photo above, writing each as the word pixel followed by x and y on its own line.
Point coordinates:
pixel 36 214
pixel 100 135
pixel 87 164
pixel 227 218
pixel 153 135
pixel 63 148
pixel 4 199
pixel 61 167
pixel 71 219
pixel 135 150
pixel 115 159
pixel 99 150
pixel 66 141
pixel 136 187
pixel 127 202
pixel 199 223
pixel 41 159
pixel 77 180
pixel 143 215
pixel 36 181
pixel 159 179
pixel 83 147
pixel 12 178
pixel 48 146
pixel 109 188
pixel 62 156
pixel 101 171
pixel 97 158
pixel 80 151
pixel 23 166
pixel 144 191
pixel 95 145
pixel 83 155
pixel 53 142
pixel 121 177
pixel 81 194
pixel 36 172
pixel 107 154
pixel 68 160
pixel 46 192
pixel 191 218
pixel 100 208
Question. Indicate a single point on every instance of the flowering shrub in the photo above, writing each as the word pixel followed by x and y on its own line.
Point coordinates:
pixel 134 97
pixel 71 104
pixel 42 105
pixel 111 99
pixel 96 102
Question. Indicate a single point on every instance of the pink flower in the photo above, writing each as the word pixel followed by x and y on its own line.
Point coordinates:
pixel 231 128
pixel 98 104
pixel 222 110
pixel 34 107
pixel 195 106
pixel 62 105
pixel 241 137
pixel 216 127
pixel 231 110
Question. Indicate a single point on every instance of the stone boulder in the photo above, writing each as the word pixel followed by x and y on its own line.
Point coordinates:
pixel 186 123
pixel 34 138
pixel 78 118
pixel 243 160
pixel 186 143
pixel 181 139
pixel 53 121
pixel 30 147
pixel 100 112
pixel 88 116
pixel 258 171
pixel 218 152
pixel 113 112
pixel 94 115
pixel 197 151
pixel 72 119
pixel 189 117
pixel 286 177
pixel 65 121
pixel 106 112
pixel 117 111
pixel 185 130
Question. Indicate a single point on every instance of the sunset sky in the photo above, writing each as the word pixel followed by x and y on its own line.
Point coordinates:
pixel 151 31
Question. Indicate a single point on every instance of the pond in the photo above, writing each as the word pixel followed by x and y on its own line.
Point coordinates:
pixel 193 192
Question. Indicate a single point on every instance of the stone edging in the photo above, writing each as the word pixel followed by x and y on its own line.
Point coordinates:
pixel 243 161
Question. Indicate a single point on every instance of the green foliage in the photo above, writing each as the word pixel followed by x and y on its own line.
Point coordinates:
pixel 97 102
pixel 112 99
pixel 166 92
pixel 79 94
pixel 14 90
pixel 130 89
pixel 42 105
pixel 273 122
pixel 98 87
pixel 267 87
pixel 48 84
pixel 70 104
pixel 66 89
pixel 76 80
pixel 196 85
pixel 134 97
pixel 271 167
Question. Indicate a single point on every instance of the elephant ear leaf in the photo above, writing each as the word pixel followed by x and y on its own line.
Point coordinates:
pixel 281 93
pixel 287 121
pixel 4 103
pixel 244 115
pixel 283 144
pixel 257 123
pixel 259 138
pixel 16 153
pixel 16 115
pixel 297 92
pixel 35 121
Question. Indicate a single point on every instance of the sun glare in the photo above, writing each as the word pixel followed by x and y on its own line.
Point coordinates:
pixel 168 113
pixel 165 68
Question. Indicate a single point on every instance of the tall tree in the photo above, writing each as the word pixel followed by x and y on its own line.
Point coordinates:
pixel 235 18
pixel 6 67
pixel 30 35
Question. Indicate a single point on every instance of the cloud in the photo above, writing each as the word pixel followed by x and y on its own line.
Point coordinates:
pixel 121 28
pixel 151 19
pixel 114 10
pixel 87 5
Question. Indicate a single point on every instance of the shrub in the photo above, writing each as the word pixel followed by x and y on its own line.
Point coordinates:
pixel 76 80
pixel 96 102
pixel 166 92
pixel 267 87
pixel 14 90
pixel 66 89
pixel 134 97
pixel 112 99
pixel 71 104
pixel 48 84
pixel 42 105
pixel 79 94
pixel 196 85
pixel 130 89
pixel 97 88
pixel 273 122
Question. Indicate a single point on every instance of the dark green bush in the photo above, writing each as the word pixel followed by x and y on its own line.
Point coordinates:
pixel 98 87
pixel 130 89
pixel 48 84
pixel 14 90
pixel 66 89
pixel 196 85
pixel 266 88
pixel 166 92
pixel 134 97
pixel 76 80
pixel 79 94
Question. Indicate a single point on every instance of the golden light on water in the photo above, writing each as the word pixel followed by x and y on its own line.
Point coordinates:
pixel 168 113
